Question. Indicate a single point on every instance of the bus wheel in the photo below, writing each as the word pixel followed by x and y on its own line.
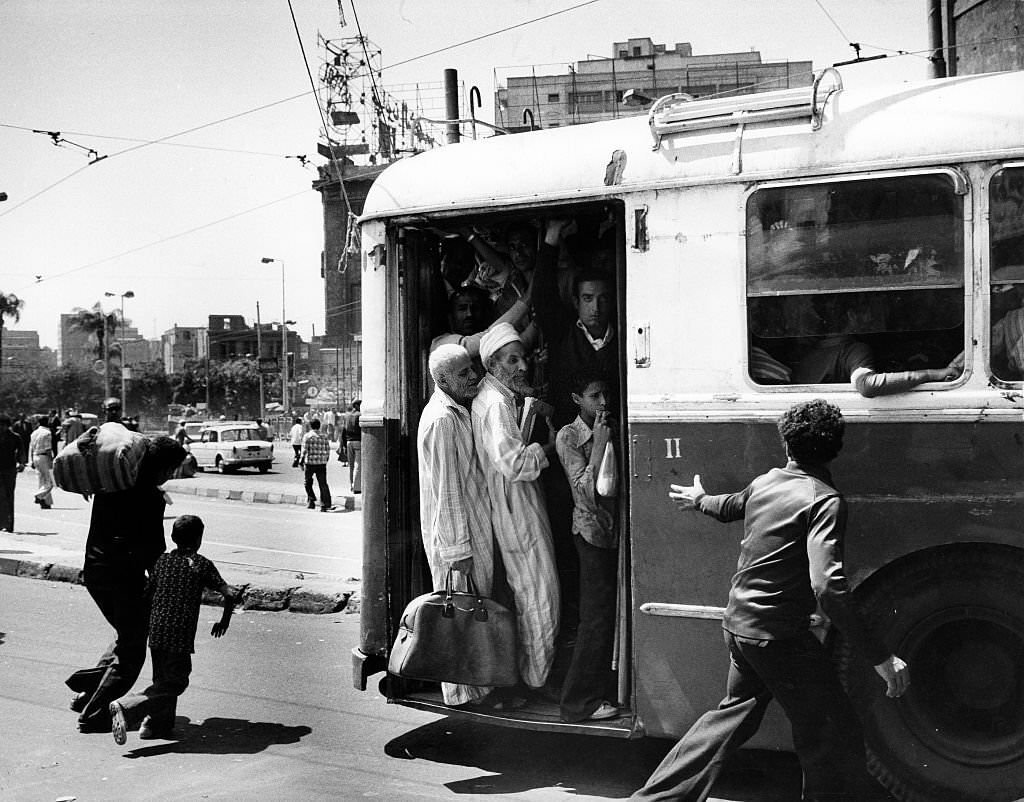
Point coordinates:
pixel 956 617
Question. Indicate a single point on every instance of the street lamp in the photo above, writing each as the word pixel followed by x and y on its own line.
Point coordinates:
pixel 284 337
pixel 124 388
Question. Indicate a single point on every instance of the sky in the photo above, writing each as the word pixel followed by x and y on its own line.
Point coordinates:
pixel 184 223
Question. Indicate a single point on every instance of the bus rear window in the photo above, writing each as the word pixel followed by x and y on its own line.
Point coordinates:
pixel 1006 235
pixel 878 262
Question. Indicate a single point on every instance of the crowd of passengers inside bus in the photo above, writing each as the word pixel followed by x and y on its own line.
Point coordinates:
pixel 533 306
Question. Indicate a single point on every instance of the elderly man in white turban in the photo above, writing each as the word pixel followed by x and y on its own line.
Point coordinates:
pixel 455 507
pixel 518 516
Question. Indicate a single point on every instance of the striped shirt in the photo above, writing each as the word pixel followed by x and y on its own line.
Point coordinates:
pixel 454 505
pixel 520 522
pixel 316 449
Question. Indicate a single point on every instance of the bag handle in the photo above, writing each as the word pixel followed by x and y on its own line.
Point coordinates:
pixel 479 610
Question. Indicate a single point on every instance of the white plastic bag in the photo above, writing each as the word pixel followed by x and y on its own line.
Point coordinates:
pixel 607 483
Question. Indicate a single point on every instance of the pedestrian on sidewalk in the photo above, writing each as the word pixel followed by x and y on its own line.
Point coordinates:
pixel 126 536
pixel 176 591
pixel 295 436
pixel 791 561
pixel 352 436
pixel 314 454
pixel 11 464
pixel 40 448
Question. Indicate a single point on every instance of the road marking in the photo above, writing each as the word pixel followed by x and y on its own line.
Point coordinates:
pixel 243 547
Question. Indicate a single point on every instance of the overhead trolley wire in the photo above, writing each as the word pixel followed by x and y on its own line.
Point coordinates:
pixel 170 237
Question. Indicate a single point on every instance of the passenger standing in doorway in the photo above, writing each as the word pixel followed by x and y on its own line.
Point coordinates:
pixel 314 454
pixel 518 515
pixel 582 446
pixel 295 438
pixel 581 343
pixel 791 561
pixel 352 435
pixel 455 509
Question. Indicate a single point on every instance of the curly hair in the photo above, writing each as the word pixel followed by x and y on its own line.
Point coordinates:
pixel 812 431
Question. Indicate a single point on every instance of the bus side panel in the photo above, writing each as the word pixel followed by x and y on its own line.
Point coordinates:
pixel 686 558
pixel 911 487
pixel 374 631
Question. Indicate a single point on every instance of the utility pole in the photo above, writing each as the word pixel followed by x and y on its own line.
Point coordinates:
pixel 259 357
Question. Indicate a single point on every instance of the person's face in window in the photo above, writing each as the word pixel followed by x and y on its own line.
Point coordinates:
pixel 467 314
pixel 521 249
pixel 594 305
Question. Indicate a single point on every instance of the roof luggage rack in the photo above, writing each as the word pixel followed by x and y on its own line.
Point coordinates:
pixel 679 113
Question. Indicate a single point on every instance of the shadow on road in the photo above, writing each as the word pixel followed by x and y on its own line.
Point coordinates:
pixel 517 761
pixel 223 736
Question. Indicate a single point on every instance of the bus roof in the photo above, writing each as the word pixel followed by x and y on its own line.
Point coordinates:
pixel 920 123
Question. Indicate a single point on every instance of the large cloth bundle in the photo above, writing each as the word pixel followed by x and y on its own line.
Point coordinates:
pixel 104 459
pixel 453 636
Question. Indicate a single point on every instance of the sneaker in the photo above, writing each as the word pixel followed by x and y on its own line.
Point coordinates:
pixel 78 702
pixel 119 726
pixel 328 509
pixel 605 710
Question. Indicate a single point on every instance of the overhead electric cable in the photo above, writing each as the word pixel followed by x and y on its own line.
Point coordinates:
pixel 170 237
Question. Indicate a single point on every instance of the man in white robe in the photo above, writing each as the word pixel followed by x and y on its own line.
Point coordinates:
pixel 512 468
pixel 454 503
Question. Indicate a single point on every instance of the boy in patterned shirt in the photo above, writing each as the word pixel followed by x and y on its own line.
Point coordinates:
pixel 176 586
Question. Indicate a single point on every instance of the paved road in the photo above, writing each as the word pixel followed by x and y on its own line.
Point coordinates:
pixel 271 715
pixel 274 544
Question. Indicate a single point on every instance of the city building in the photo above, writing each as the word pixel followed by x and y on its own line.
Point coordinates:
pixel 21 352
pixel 230 337
pixel 76 347
pixel 985 36
pixel 638 72
pixel 180 344
pixel 339 355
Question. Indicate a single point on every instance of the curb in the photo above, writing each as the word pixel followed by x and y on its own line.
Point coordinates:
pixel 293 599
pixel 255 496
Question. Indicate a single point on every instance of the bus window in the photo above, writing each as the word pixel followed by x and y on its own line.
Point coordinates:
pixel 1006 230
pixel 878 263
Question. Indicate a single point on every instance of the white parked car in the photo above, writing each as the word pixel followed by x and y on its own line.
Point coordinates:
pixel 228 445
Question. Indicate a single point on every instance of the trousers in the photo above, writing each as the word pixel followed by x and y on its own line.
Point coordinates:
pixel 8 478
pixel 126 609
pixel 320 472
pixel 171 671
pixel 798 673
pixel 590 679
pixel 44 467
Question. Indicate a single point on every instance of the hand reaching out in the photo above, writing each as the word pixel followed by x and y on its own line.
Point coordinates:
pixel 686 496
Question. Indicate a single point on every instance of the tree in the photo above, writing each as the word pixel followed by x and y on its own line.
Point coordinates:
pixel 10 307
pixel 150 389
pixel 100 325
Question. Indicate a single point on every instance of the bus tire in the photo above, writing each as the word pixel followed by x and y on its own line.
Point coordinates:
pixel 955 616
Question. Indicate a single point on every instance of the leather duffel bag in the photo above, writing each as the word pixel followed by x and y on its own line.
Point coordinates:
pixel 456 636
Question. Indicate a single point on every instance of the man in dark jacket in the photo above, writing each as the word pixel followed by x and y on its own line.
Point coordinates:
pixel 791 561
pixel 126 536
pixel 11 463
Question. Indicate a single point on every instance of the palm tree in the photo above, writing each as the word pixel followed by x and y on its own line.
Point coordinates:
pixel 100 325
pixel 10 307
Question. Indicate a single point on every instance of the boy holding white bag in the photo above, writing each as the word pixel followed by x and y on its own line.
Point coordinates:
pixel 587 456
